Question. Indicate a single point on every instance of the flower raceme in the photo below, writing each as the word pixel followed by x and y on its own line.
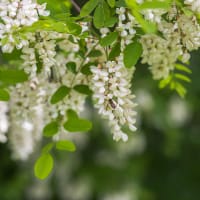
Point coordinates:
pixel 113 98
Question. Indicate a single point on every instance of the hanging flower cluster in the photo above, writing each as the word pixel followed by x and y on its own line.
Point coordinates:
pixel 64 59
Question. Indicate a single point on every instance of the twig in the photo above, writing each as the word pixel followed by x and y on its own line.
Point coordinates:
pixel 76 6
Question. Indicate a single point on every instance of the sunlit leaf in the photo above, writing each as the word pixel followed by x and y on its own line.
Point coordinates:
pixel 183 68
pixel 47 148
pixel 98 17
pixel 88 7
pixel 111 3
pixel 65 145
pixel 109 39
pixel 43 166
pixel 76 124
pixel 12 76
pixel 50 129
pixel 182 77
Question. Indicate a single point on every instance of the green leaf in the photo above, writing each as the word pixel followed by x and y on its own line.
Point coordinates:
pixel 86 69
pixel 83 89
pixel 71 66
pixel 65 145
pixel 95 53
pixel 110 22
pixel 72 114
pixel 109 39
pixel 12 76
pixel 49 24
pixel 182 77
pixel 76 124
pixel 56 6
pixel 88 7
pixel 132 54
pixel 183 68
pixel 111 3
pixel 60 93
pixel 43 166
pixel 102 15
pixel 120 3
pixel 50 129
pixel 47 148
pixel 74 28
pixel 156 4
pixel 98 17
pixel 4 95
pixel 115 51
pixel 163 83
pixel 180 89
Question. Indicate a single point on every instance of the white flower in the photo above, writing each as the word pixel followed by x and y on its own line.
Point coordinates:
pixel 113 98
pixel 157 52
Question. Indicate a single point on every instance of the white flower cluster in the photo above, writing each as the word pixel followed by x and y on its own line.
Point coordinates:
pixel 30 108
pixel 113 98
pixel 126 26
pixel 160 54
pixel 180 36
pixel 111 82
pixel 14 15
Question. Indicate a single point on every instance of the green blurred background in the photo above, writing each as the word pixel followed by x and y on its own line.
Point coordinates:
pixel 161 161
